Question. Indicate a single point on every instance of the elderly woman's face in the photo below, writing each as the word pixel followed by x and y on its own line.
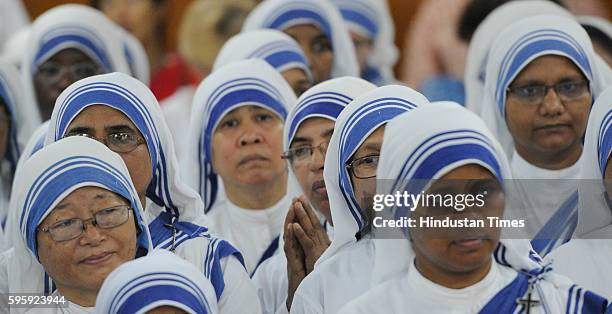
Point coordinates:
pixel 459 250
pixel 553 122
pixel 313 132
pixel 363 166
pixel 60 71
pixel 247 147
pixel 298 80
pixel 110 126
pixel 317 47
pixel 82 263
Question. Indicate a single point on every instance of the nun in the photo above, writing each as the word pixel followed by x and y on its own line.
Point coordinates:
pixel 316 25
pixel 13 119
pixel 160 283
pixel 235 135
pixel 121 112
pixel 79 218
pixel 308 130
pixel 66 43
pixel 276 48
pixel 485 34
pixel 459 270
pixel 350 181
pixel 587 257
pixel 371 28
pixel 541 79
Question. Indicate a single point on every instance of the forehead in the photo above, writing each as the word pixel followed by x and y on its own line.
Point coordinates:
pixel 313 127
pixel 84 196
pixel 304 31
pixel 99 114
pixel 69 56
pixel 468 172
pixel 549 68
pixel 249 109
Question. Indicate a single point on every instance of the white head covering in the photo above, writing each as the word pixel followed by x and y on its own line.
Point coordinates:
pixel 167 192
pixel 282 14
pixel 69 26
pixel 485 34
pixel 243 83
pixel 44 181
pixel 12 95
pixel 445 137
pixel 521 43
pixel 275 47
pixel 355 123
pixel 135 56
pixel 372 19
pixel 324 100
pixel 15 46
pixel 158 279
pixel 594 210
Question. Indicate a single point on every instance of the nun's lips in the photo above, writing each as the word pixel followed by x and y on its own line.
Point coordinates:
pixel 471 243
pixel 553 127
pixel 252 157
pixel 319 188
pixel 97 259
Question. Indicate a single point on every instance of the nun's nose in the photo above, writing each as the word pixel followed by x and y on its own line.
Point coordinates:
pixel 250 137
pixel 552 104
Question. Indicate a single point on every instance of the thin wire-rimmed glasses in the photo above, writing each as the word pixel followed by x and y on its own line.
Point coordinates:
pixel 302 155
pixel 106 218
pixel 117 142
pixel 364 167
pixel 566 90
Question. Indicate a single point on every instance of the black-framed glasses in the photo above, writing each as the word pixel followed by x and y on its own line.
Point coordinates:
pixel 535 93
pixel 301 155
pixel 106 218
pixel 52 72
pixel 364 167
pixel 118 142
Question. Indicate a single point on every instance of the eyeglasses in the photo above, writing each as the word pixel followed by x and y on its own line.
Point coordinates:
pixel 106 218
pixel 117 142
pixel 301 155
pixel 53 72
pixel 535 93
pixel 364 167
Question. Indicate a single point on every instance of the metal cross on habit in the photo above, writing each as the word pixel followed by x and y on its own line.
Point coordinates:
pixel 529 302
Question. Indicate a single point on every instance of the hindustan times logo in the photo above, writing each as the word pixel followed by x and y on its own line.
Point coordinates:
pixel 459 202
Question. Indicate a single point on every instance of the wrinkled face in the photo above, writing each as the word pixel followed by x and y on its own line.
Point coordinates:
pixel 298 80
pixel 5 128
pixel 556 123
pixel 460 249
pixel 309 172
pixel 84 262
pixel 363 47
pixel 166 310
pixel 247 145
pixel 367 158
pixel 57 73
pixel 139 17
pixel 103 122
pixel 317 47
